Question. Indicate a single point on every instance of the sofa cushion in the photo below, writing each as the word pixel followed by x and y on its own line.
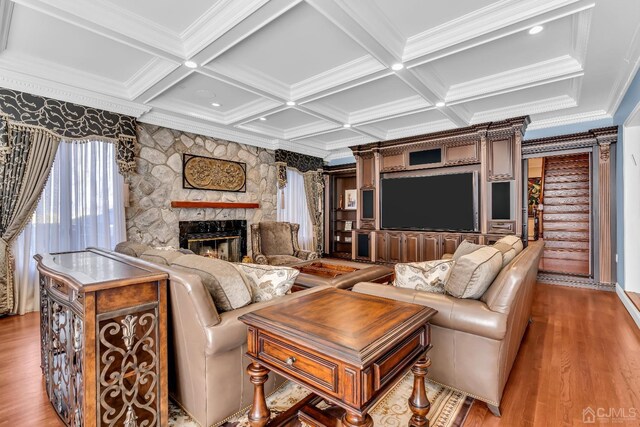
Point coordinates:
pixel 465 248
pixel 275 238
pixel 225 283
pixel 513 241
pixel 130 248
pixel 428 276
pixel 508 252
pixel 282 260
pixel 472 274
pixel 161 256
pixel 268 281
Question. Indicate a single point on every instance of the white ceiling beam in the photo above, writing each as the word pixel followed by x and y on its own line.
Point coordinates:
pixel 6 11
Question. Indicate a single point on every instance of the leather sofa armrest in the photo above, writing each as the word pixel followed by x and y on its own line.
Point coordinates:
pixel 231 333
pixel 465 315
pixel 260 259
pixel 447 256
pixel 306 255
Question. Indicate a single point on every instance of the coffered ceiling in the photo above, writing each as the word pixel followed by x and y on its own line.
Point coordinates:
pixel 332 58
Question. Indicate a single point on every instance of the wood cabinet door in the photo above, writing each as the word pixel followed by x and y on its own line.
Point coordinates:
pixel 430 247
pixel 395 247
pixel 500 159
pixel 381 247
pixel 450 243
pixel 411 247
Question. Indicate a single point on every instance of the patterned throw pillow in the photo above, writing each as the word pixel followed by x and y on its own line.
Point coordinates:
pixel 268 281
pixel 428 276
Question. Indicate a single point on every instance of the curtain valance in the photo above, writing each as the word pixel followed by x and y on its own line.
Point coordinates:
pixel 68 121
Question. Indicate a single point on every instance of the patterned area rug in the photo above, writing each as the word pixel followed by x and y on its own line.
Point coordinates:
pixel 448 408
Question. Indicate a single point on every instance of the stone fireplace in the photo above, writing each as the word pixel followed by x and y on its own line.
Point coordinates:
pixel 226 240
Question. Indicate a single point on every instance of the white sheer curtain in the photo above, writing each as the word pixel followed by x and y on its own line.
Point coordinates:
pixel 81 205
pixel 295 208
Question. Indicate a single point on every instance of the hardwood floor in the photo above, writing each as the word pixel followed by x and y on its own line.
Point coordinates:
pixel 583 350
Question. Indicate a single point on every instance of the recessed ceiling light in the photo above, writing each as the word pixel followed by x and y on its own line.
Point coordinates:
pixel 397 66
pixel 190 64
pixel 346 125
pixel 215 104
pixel 263 118
pixel 291 103
pixel 440 104
pixel 536 29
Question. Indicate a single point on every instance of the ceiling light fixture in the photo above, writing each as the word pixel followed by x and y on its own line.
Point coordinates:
pixel 397 66
pixel 536 29
pixel 190 64
pixel 440 104
pixel 291 103
pixel 263 118
pixel 346 125
pixel 215 104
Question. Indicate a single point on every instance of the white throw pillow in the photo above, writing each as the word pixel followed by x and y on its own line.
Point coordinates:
pixel 268 281
pixel 428 276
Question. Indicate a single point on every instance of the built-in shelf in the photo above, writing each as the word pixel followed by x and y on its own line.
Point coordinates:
pixel 213 205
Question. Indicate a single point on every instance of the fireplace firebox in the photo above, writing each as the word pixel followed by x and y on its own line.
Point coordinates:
pixel 226 240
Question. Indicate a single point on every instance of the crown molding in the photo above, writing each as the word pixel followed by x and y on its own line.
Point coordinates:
pixel 390 109
pixel 252 78
pixel 6 12
pixel 220 18
pixel 289 133
pixel 37 86
pixel 323 108
pixel 112 21
pixel 349 142
pixel 494 17
pixel 516 79
pixel 369 16
pixel 342 153
pixel 193 126
pixel 628 69
pixel 581 24
pixel 527 108
pixel 302 148
pixel 569 119
pixel 423 128
pixel 147 76
pixel 352 70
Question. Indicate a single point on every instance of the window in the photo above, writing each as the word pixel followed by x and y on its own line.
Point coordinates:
pixel 81 205
pixel 295 208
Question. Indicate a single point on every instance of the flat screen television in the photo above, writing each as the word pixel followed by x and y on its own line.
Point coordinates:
pixel 436 202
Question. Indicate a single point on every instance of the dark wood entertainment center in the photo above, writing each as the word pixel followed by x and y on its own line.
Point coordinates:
pixel 491 150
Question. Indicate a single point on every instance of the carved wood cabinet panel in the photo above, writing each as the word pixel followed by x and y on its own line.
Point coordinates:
pixel 103 339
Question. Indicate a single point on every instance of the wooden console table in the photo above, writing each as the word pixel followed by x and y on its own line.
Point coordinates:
pixel 347 348
pixel 103 325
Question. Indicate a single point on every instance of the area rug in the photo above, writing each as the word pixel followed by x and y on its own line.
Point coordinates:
pixel 448 408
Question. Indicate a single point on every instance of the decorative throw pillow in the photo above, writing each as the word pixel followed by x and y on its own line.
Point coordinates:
pixel 513 241
pixel 508 252
pixel 465 248
pixel 472 274
pixel 428 276
pixel 161 256
pixel 268 281
pixel 225 283
pixel 133 249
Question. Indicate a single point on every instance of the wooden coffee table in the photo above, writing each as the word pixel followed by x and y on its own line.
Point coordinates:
pixel 347 348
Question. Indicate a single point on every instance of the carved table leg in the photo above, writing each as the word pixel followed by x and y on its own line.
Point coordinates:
pixel 259 413
pixel 418 402
pixel 354 420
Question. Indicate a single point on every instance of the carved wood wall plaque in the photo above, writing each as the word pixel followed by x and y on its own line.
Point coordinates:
pixel 208 173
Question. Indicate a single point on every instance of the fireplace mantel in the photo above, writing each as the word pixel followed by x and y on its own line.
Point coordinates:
pixel 199 204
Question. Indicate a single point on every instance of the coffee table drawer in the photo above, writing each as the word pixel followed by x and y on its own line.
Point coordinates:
pixel 315 370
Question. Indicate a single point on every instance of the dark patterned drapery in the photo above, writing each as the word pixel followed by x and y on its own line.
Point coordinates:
pixel 301 162
pixel 314 191
pixel 31 128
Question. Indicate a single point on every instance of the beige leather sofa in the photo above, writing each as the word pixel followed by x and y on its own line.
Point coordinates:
pixel 207 359
pixel 475 342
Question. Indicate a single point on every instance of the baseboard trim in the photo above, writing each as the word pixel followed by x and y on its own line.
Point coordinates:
pixel 628 304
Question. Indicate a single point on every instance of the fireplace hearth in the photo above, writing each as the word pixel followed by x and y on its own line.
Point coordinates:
pixel 226 240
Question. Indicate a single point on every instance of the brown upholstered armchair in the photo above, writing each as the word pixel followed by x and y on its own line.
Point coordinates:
pixel 276 243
